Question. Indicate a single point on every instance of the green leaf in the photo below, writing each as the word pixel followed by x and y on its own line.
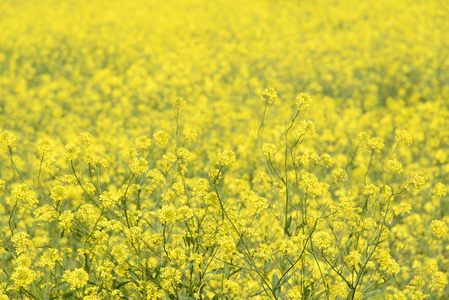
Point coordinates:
pixel 319 295
pixel 100 288
pixel 118 286
pixel 86 263
pixel 371 293
pixel 226 271
pixel 61 286
pixel 284 281
pixel 274 282
pixel 289 222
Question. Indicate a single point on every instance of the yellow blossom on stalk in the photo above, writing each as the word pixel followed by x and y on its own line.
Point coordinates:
pixel 439 190
pixel 86 138
pixel 190 134
pixel 308 159
pixel 108 199
pixel 184 213
pixel 177 254
pixel 22 242
pixel 120 252
pixel 303 101
pixel 326 160
pixel 184 155
pixel 65 221
pixel 49 258
pixel 7 139
pixel 167 214
pixel 138 166
pixel 134 233
pixel 387 263
pixel 269 96
pixel 215 175
pixel 231 286
pixel 346 204
pixel 307 128
pixel 44 146
pixel 295 293
pixel 77 278
pixel 160 137
pixel 71 152
pixel 353 259
pixel 287 245
pixel 339 289
pixel 23 260
pixel 23 276
pixel 309 184
pixel 169 158
pixel 418 179
pixel 45 213
pixel 23 195
pixel 370 190
pixel 322 240
pixel 339 175
pixel 227 158
pixel 375 144
pixel 439 228
pixel 268 150
pixel 404 137
pixel 404 207
pixel 143 142
pixel 431 266
pixel 180 103
pixel 58 193
pixel 171 276
pixel 394 167
pixel 439 280
pixel 2 184
pixel 263 252
pixel 93 160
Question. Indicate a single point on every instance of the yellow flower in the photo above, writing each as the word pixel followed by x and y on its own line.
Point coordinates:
pixel 138 166
pixel 439 190
pixel 353 259
pixel 180 103
pixel 268 150
pixel 65 221
pixel 404 137
pixel 160 137
pixel 339 175
pixel 71 152
pixel 108 199
pixel 376 144
pixel 394 166
pixel 143 142
pixel 44 146
pixel 58 193
pixel 23 277
pixel 303 101
pixel 438 228
pixel 77 278
pixel 322 240
pixel 418 179
pixel 227 158
pixel 269 96
pixel 307 128
pixel 7 139
pixel 439 280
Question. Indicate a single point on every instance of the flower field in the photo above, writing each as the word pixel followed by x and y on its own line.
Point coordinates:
pixel 231 149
